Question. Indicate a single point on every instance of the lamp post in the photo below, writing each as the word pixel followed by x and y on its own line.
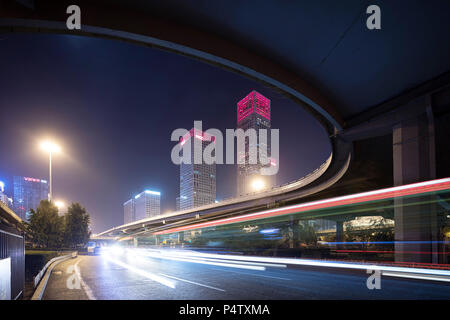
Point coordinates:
pixel 51 148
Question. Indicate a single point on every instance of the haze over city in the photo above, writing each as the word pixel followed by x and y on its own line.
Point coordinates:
pixel 112 107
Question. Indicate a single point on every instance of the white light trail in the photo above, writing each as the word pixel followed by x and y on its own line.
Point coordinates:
pixel 224 259
pixel 393 192
pixel 154 277
pixel 196 283
pixel 220 264
pixel 414 276
pixel 325 263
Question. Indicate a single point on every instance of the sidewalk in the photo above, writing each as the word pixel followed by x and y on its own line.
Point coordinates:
pixel 58 284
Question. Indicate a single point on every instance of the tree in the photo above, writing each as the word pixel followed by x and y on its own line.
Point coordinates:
pixel 46 226
pixel 77 226
pixel 306 233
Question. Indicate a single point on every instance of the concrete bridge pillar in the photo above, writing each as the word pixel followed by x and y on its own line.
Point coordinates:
pixel 340 231
pixel 414 161
pixel 180 237
pixel 293 232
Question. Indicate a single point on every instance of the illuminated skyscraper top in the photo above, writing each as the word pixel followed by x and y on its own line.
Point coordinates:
pixel 253 112
pixel 254 102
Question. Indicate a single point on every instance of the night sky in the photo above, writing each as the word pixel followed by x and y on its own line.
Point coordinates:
pixel 112 107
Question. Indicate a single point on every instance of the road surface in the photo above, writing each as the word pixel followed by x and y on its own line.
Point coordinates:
pixel 139 277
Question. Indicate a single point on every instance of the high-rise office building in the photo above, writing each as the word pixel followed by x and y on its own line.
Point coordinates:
pixel 197 181
pixel 28 193
pixel 147 204
pixel 128 211
pixel 144 205
pixel 3 196
pixel 253 112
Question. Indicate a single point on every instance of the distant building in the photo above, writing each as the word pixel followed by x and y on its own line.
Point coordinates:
pixel 197 181
pixel 28 193
pixel 147 204
pixel 3 197
pixel 144 205
pixel 253 112
pixel 128 211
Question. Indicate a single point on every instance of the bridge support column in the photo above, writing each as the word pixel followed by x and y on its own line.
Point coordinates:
pixel 414 161
pixel 340 233
pixel 293 233
pixel 180 237
pixel 135 241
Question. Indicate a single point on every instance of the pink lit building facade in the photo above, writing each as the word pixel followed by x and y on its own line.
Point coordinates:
pixel 253 112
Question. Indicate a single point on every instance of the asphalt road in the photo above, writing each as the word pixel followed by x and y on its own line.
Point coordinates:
pixel 141 277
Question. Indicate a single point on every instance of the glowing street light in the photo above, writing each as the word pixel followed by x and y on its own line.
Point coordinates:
pixel 258 184
pixel 51 148
pixel 59 204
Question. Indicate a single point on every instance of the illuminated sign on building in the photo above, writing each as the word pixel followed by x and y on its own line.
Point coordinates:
pixel 198 134
pixel 253 102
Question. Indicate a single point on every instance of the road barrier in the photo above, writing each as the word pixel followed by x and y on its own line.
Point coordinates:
pixel 44 274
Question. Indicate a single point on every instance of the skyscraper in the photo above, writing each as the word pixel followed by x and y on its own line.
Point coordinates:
pixel 253 112
pixel 28 193
pixel 147 204
pixel 128 211
pixel 197 181
pixel 3 197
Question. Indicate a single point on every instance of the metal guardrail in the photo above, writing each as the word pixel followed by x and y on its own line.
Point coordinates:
pixel 39 292
pixel 41 273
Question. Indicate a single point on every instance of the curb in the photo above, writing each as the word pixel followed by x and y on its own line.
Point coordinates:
pixel 42 278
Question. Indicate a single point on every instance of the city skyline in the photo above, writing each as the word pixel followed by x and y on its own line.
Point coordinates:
pixel 198 181
pixel 100 157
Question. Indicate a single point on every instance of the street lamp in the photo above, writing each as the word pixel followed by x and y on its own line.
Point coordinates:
pixel 59 204
pixel 258 184
pixel 51 148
